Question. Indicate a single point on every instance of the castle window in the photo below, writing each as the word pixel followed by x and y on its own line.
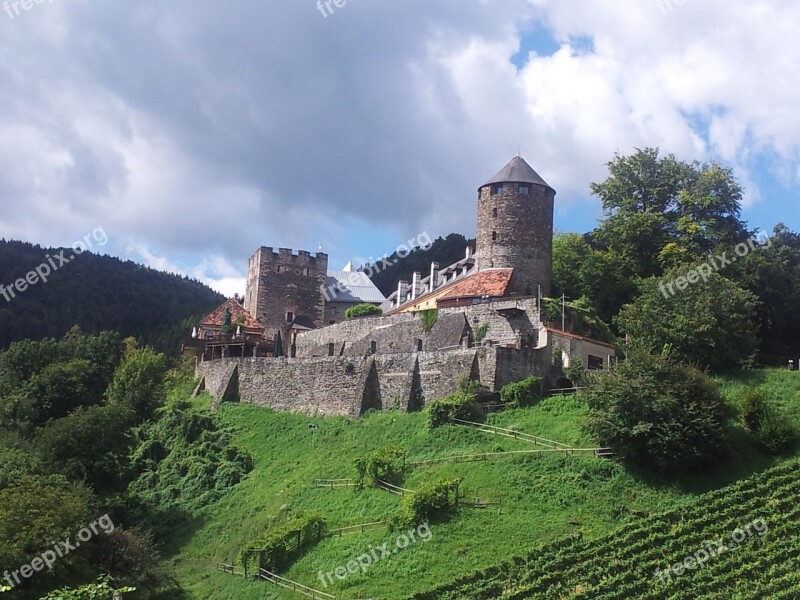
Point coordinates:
pixel 333 310
pixel 494 236
pixel 305 271
pixel 595 363
pixel 331 349
pixel 289 317
pixel 524 190
pixel 278 269
pixel 494 213
pixel 373 347
pixel 419 345
pixel 498 189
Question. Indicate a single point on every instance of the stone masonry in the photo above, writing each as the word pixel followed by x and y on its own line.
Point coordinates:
pixel 515 231
pixel 283 286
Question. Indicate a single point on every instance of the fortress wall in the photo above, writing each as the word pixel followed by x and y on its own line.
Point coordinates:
pixel 396 334
pixel 346 386
pixel 502 329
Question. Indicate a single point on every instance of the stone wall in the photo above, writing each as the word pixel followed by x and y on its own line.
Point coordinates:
pixel 393 334
pixel 346 386
pixel 510 321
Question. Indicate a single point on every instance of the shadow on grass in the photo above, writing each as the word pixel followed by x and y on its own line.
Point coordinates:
pixel 744 460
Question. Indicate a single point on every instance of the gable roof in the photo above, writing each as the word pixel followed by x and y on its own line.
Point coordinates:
pixel 355 285
pixel 517 171
pixel 492 283
pixel 217 317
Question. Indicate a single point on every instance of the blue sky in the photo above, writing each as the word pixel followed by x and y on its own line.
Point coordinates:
pixel 194 134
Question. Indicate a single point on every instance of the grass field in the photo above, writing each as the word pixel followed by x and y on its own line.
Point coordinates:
pixel 542 498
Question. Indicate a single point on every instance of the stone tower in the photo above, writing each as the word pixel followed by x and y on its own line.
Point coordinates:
pixel 515 227
pixel 284 289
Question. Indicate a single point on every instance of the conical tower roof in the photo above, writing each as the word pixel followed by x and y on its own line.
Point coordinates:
pixel 517 171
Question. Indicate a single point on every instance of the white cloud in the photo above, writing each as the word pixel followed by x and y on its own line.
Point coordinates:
pixel 206 131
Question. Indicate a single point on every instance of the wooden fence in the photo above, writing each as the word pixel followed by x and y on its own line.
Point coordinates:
pixel 294 586
pixel 356 529
pixel 231 569
pixel 565 391
pixel 393 488
pixel 517 435
pixel 334 483
pixel 598 452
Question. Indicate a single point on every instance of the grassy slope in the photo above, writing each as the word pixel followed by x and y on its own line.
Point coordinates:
pixel 543 498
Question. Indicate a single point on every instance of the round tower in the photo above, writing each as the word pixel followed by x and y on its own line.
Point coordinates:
pixel 515 227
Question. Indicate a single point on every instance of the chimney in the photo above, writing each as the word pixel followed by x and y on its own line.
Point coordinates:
pixel 402 292
pixel 415 285
pixel 434 280
pixel 469 252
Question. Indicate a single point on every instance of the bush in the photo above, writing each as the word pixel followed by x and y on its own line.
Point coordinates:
pixel 362 310
pixel 775 432
pixel 285 544
pixel 459 405
pixel 575 372
pixel 428 318
pixel 380 465
pixel 523 393
pixel 429 501
pixel 657 412
pixel 754 407
pixel 480 333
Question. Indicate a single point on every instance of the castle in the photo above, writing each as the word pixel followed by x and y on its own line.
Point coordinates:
pixel 480 319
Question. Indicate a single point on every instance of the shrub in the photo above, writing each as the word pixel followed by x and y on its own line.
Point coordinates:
pixel 362 310
pixel 428 318
pixel 429 501
pixel 380 465
pixel 481 332
pixel 459 405
pixel 285 544
pixel 754 407
pixel 575 372
pixel 522 393
pixel 657 412
pixel 775 432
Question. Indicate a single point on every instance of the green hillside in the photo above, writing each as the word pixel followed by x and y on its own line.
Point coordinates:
pixel 544 500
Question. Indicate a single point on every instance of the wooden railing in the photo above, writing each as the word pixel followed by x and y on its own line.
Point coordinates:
pixel 393 488
pixel 598 452
pixel 352 529
pixel 293 585
pixel 334 483
pixel 512 433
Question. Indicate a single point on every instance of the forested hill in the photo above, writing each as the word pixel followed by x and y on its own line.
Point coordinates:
pixel 445 251
pixel 97 293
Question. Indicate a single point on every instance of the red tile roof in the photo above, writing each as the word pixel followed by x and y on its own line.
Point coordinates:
pixel 575 336
pixel 485 283
pixel 217 317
